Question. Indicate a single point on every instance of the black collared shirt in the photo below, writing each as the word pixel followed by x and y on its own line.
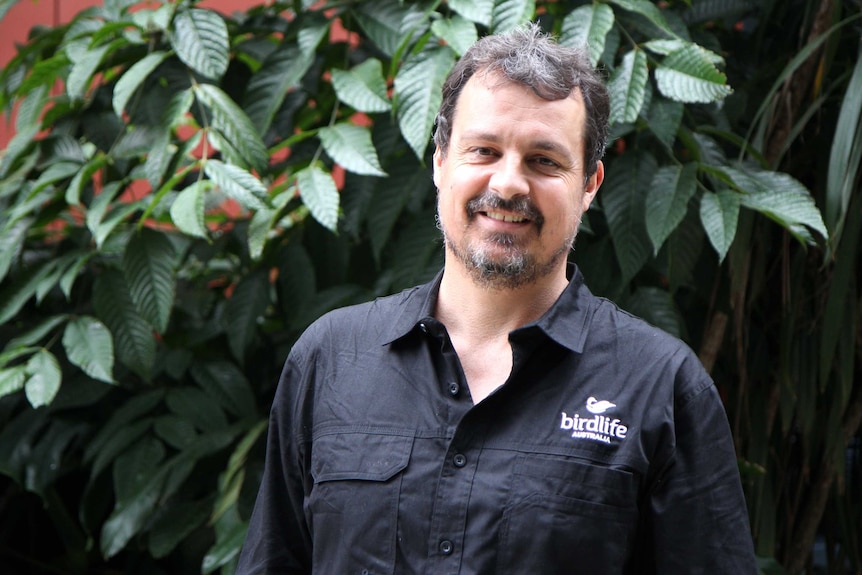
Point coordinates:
pixel 607 451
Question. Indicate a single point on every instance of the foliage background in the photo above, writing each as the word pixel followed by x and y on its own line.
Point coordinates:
pixel 186 192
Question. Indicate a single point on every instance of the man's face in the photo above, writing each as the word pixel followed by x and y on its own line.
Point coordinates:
pixel 511 186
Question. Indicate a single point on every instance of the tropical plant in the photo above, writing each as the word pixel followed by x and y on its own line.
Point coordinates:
pixel 187 191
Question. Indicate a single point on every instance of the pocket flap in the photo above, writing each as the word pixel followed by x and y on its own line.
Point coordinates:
pixel 363 456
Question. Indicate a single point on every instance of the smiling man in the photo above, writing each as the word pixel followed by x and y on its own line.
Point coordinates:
pixel 501 419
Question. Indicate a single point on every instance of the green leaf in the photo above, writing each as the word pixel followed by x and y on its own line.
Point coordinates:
pixel 225 549
pixel 667 200
pixel 55 173
pixel 15 295
pixel 45 72
pixel 509 14
pixel 418 95
pixel 719 213
pixel 310 35
pixel 82 71
pixel 588 26
pixel 11 242
pixel 35 334
pixel 133 78
pixel 458 33
pixel 200 40
pixel 148 265
pixel 99 205
pixel 281 72
pixel 664 119
pixel 688 75
pixel 176 523
pixel 320 195
pixel 20 143
pixel 187 210
pixel 134 342
pixel 31 109
pixel 89 345
pixel 12 379
pixel 649 11
pixel 230 482
pixel 623 200
pixel 387 203
pixel 198 407
pixel 43 378
pixel 351 147
pixel 5 5
pixel 130 516
pixel 234 125
pixel 390 23
pixel 117 216
pixel 83 177
pixel 245 308
pixel 667 47
pixel 656 306
pixel 683 250
pixel 259 231
pixel 224 381
pixel 845 153
pixel 479 11
pixel 238 183
pixel 177 432
pixel 780 197
pixel 363 87
pixel 105 445
pixel 628 86
pixel 136 466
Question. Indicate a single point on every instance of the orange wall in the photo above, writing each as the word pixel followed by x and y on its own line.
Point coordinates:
pixel 16 25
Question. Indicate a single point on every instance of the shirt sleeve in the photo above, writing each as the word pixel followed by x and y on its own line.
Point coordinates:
pixel 698 515
pixel 278 538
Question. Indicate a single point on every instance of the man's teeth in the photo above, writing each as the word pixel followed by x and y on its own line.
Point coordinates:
pixel 505 217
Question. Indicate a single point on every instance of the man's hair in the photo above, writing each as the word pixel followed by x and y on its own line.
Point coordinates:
pixel 532 58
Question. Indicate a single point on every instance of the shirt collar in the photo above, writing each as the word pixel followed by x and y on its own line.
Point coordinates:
pixel 566 322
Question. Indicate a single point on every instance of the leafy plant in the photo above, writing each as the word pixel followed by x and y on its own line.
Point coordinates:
pixel 187 191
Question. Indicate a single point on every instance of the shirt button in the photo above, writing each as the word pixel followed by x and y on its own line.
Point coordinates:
pixel 454 388
pixel 446 547
pixel 423 327
pixel 459 460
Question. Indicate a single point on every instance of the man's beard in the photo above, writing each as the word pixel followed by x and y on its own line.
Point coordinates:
pixel 506 263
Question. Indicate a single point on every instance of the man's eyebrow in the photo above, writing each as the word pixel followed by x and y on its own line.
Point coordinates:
pixel 540 144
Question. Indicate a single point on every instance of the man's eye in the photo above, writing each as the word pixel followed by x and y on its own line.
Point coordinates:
pixel 546 162
pixel 482 151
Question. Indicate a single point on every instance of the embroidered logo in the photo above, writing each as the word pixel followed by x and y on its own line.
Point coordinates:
pixel 599 407
pixel 597 428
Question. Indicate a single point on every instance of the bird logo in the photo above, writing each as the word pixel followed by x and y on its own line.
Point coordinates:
pixel 597 407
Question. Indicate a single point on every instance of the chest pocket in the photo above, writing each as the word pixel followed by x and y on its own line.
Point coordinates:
pixel 353 505
pixel 567 516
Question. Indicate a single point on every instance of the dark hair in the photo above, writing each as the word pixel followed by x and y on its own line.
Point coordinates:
pixel 532 58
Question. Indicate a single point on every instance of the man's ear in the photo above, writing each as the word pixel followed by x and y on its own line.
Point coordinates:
pixel 593 184
pixel 438 165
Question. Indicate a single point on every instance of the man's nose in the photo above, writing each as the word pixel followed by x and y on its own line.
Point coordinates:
pixel 509 178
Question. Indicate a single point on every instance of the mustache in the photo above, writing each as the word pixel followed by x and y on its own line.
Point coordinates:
pixel 520 205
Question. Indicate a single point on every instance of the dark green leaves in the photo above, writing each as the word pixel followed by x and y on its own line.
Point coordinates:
pixel 200 40
pixel 148 265
pixel 362 87
pixel 417 89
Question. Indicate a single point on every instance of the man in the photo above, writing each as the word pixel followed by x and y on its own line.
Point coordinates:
pixel 501 419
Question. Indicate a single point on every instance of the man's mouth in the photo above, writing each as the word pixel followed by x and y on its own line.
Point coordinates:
pixel 500 217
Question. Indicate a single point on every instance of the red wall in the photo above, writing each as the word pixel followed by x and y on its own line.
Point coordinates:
pixel 16 25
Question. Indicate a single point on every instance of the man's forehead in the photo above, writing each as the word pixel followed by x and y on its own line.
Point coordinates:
pixel 493 80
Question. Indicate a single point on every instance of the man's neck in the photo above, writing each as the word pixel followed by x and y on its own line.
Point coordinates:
pixel 475 312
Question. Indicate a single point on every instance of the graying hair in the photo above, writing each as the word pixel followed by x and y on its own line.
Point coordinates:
pixel 532 58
